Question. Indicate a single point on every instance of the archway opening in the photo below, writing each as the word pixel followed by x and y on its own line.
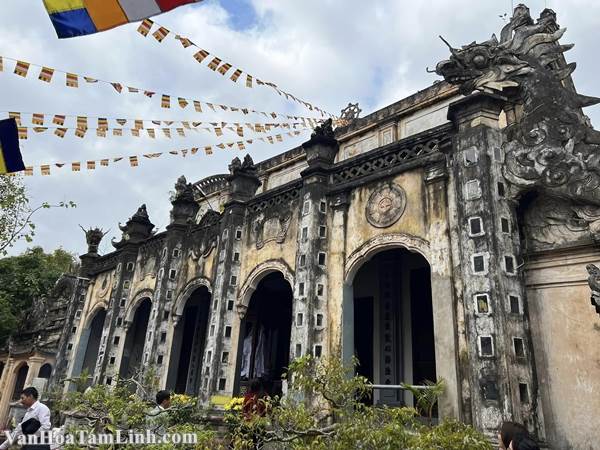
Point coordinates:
pixel 133 348
pixel 265 331
pixel 393 323
pixel 45 371
pixel 185 362
pixel 93 342
pixel 20 382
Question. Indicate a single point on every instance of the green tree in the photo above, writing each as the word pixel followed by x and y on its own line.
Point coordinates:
pixel 25 277
pixel 16 213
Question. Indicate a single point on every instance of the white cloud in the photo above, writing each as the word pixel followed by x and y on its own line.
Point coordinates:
pixel 328 52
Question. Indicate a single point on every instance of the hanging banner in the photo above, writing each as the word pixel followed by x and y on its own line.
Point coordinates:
pixel 11 160
pixel 73 18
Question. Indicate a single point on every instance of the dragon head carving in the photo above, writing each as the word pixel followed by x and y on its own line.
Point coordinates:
pixel 550 145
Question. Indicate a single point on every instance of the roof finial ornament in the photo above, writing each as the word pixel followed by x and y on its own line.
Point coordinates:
pixel 350 112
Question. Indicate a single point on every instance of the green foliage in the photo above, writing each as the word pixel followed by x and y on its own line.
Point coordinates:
pixel 426 399
pixel 16 213
pixel 323 411
pixel 126 407
pixel 25 277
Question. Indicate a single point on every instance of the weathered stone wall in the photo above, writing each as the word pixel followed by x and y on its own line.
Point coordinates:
pixel 565 332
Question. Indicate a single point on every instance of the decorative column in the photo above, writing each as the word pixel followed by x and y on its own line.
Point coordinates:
pixel 498 382
pixel 135 232
pixel 218 377
pixel 442 293
pixel 172 269
pixel 311 308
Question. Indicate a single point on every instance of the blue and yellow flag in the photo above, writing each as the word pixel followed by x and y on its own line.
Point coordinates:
pixel 10 154
pixel 80 17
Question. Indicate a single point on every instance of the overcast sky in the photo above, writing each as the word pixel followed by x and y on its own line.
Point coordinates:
pixel 327 52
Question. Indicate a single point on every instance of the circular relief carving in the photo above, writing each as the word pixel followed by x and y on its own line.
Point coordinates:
pixel 386 205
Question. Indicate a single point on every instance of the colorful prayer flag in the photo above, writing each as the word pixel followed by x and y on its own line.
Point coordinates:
pixel 37 119
pixel 22 68
pixel 161 34
pixel 236 75
pixel 11 160
pixel 72 80
pixel 46 74
pixel 145 27
pixel 73 18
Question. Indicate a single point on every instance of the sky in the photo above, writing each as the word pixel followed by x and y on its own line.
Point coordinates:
pixel 328 52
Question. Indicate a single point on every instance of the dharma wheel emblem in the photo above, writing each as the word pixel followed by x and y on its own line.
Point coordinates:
pixel 386 205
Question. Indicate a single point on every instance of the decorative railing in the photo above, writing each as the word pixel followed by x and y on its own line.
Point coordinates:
pixel 391 156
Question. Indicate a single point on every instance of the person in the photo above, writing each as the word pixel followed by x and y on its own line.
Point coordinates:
pixel 522 441
pixel 157 418
pixel 35 421
pixel 507 432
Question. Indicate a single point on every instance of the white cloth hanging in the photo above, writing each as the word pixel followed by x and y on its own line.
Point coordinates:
pixel 246 355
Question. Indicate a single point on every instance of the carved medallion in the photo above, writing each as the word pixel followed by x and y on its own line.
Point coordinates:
pixel 386 205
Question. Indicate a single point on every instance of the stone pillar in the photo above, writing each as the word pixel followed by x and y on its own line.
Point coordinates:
pixel 444 313
pixel 34 363
pixel 339 291
pixel 496 365
pixel 220 353
pixel 6 387
pixel 311 307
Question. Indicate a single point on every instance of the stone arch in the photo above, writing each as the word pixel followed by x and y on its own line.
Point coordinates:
pixel 45 371
pixel 254 278
pixel 135 302
pixel 20 374
pixel 384 242
pixel 187 291
pixel 95 310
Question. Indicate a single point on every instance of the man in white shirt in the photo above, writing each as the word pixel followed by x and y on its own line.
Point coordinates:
pixel 35 410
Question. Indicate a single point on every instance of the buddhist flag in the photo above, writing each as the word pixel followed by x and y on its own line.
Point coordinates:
pixel 46 74
pixel 22 68
pixel 72 80
pixel 10 155
pixel 37 119
pixel 73 18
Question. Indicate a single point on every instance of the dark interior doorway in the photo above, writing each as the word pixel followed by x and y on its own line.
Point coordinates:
pixel 134 342
pixel 20 382
pixel 185 363
pixel 264 347
pixel 93 344
pixel 393 323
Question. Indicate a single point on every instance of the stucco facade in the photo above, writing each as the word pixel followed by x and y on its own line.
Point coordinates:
pixel 405 237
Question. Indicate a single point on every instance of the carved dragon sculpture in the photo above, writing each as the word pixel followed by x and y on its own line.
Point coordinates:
pixel 550 145
pixel 594 282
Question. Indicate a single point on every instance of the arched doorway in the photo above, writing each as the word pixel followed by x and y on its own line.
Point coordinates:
pixel 45 371
pixel 189 337
pixel 265 331
pixel 92 337
pixel 20 382
pixel 393 322
pixel 133 347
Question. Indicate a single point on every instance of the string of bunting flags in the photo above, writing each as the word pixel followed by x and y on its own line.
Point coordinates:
pixel 134 160
pixel 104 130
pixel 216 64
pixel 153 133
pixel 74 80
pixel 40 119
